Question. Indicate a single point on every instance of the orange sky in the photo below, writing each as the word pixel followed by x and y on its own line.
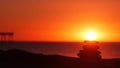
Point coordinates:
pixel 60 20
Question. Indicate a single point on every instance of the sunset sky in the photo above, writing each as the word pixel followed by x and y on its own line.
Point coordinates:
pixel 60 20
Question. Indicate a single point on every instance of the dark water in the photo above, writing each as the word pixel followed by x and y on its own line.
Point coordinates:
pixel 108 49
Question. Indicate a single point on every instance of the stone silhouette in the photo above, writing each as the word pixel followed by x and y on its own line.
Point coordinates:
pixel 90 55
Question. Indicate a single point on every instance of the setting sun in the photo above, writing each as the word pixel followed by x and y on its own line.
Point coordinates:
pixel 90 36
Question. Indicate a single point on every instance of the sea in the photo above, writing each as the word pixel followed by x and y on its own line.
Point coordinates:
pixel 71 49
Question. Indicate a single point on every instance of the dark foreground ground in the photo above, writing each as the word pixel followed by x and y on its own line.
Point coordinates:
pixel 22 59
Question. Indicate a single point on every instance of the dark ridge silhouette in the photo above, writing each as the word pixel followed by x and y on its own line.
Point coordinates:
pixel 22 59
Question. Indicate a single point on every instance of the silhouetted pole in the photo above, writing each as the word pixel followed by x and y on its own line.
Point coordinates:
pixel 6 36
pixel 3 36
pixel 10 36
pixel 0 36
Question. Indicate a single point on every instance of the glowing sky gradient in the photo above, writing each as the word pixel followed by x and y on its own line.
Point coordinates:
pixel 60 20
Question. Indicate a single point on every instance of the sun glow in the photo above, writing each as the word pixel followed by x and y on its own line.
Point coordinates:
pixel 90 36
